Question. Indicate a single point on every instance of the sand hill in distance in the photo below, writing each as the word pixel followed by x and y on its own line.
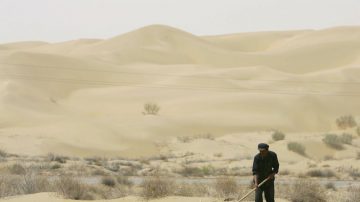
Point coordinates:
pixel 86 97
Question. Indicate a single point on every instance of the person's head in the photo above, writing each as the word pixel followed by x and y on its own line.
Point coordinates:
pixel 263 148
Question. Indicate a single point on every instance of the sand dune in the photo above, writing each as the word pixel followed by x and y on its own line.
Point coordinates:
pixel 86 97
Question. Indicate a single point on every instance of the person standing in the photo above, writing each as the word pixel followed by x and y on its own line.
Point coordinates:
pixel 265 165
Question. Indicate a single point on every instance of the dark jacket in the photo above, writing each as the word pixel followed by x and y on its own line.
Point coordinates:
pixel 264 166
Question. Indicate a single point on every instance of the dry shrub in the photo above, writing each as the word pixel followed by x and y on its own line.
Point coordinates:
pixel 346 138
pixel 124 180
pixel 71 188
pixel 3 153
pixel 354 172
pixel 353 194
pixel 108 181
pixel 320 173
pixel 9 186
pixel 347 121
pixel 34 183
pixel 296 147
pixel 278 135
pixel 151 108
pixel 307 191
pixel 330 185
pixel 57 158
pixel 28 183
pixel 226 187
pixel 17 169
pixel 333 141
pixel 157 187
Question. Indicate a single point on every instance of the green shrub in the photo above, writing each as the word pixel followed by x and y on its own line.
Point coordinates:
pixel 333 141
pixel 278 135
pixel 358 130
pixel 296 147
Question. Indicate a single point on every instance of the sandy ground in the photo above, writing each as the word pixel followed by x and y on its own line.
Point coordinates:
pixel 86 97
pixel 42 197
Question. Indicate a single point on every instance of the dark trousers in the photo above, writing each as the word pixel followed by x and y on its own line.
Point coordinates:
pixel 269 192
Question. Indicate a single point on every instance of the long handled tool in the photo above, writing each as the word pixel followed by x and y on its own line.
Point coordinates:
pixel 246 195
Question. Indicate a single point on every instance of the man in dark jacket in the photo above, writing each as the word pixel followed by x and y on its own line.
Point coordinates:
pixel 265 165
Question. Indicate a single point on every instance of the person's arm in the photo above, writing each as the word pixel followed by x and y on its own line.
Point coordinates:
pixel 275 166
pixel 255 172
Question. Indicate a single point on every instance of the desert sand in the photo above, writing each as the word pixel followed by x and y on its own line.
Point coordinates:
pixel 86 97
pixel 44 197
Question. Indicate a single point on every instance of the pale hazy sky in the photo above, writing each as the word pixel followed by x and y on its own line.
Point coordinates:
pixel 61 20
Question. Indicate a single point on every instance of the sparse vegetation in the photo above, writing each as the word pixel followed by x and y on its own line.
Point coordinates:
pixel 124 180
pixel 157 187
pixel 278 135
pixel 3 153
pixel 346 138
pixel 307 191
pixel 226 187
pixel 71 188
pixel 330 185
pixel 347 121
pixel 17 169
pixel 320 173
pixel 354 173
pixel 197 172
pixel 333 141
pixel 108 181
pixel 353 194
pixel 151 109
pixel 297 148
pixel 57 158
pixel 358 130
pixel 192 190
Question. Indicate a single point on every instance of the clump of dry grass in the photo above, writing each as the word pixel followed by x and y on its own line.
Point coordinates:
pixel 71 188
pixel 27 183
pixel 17 169
pixel 57 158
pixel 353 194
pixel 307 191
pixel 226 187
pixel 157 187
pixel 321 173
pixel 124 180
